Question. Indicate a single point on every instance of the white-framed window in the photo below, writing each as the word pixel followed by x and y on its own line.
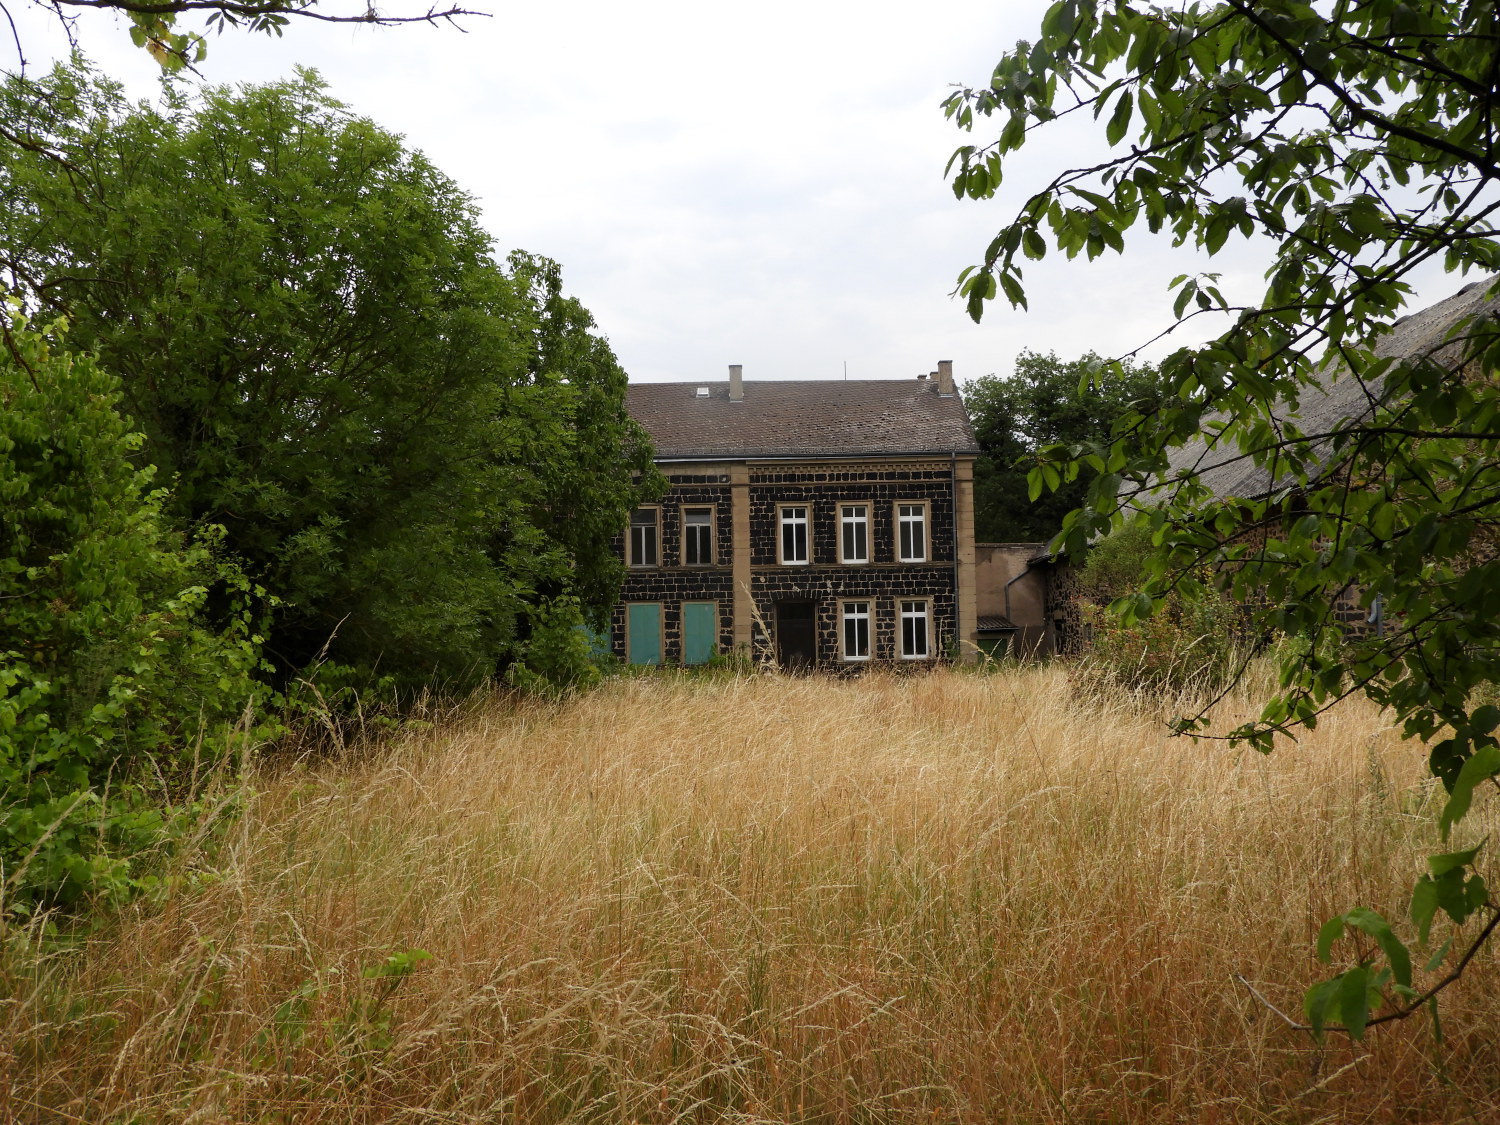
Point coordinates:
pixel 854 533
pixel 645 537
pixel 697 536
pixel 794 520
pixel 854 630
pixel 911 532
pixel 916 629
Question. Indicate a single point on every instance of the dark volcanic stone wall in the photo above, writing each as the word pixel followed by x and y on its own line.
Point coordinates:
pixel 884 586
pixel 881 487
pixel 671 584
pixel 882 581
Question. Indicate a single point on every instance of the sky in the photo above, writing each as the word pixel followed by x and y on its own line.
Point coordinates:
pixel 756 184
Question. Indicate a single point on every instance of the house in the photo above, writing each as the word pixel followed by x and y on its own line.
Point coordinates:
pixel 1015 614
pixel 816 523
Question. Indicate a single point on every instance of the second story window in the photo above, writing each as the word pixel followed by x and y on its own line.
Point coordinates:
pixel 644 537
pixel 793 519
pixel 697 536
pixel 911 532
pixel 854 533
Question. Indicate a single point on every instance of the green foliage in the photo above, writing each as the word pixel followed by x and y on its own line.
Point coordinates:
pixel 1354 143
pixel 117 696
pixel 1189 646
pixel 559 654
pixel 153 26
pixel 415 448
pixel 364 1033
pixel 1046 401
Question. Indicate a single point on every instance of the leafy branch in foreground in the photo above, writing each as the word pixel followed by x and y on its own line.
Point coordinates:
pixel 1317 460
pixel 153 23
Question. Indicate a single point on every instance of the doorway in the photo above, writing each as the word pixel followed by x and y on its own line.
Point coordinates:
pixel 796 635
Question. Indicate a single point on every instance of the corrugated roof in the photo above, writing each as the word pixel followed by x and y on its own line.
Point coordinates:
pixel 1341 397
pixel 801 418
pixel 995 623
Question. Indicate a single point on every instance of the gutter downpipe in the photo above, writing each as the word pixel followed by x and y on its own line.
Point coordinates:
pixel 1025 570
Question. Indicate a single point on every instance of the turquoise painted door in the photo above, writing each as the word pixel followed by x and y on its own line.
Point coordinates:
pixel 643 632
pixel 699 628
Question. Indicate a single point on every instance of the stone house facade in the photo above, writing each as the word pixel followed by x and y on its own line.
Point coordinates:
pixel 812 523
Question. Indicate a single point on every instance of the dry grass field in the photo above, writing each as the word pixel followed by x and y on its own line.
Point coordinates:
pixel 939 898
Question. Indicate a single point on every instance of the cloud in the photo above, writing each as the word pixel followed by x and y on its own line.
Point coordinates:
pixel 756 184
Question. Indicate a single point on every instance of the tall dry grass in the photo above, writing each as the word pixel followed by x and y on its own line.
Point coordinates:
pixel 935 898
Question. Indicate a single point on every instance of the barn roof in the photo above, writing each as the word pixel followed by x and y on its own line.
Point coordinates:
pixel 801 418
pixel 1340 397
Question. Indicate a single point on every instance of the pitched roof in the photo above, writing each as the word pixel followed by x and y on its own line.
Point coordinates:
pixel 801 418
pixel 1339 397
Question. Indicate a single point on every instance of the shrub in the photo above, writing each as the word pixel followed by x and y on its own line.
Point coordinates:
pixel 116 695
pixel 1187 646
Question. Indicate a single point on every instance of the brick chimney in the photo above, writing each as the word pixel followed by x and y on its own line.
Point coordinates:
pixel 945 378
pixel 736 383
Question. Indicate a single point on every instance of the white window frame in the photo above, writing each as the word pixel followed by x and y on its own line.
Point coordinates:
pixel 846 521
pixel 846 615
pixel 783 522
pixel 922 520
pixel 631 558
pixel 713 554
pixel 914 609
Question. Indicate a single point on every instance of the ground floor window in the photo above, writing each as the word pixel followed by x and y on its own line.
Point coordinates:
pixel 854 630
pixel 915 629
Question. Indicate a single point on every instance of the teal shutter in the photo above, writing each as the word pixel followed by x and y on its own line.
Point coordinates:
pixel 598 642
pixel 643 630
pixel 699 629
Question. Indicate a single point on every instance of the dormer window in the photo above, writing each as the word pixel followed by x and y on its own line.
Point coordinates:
pixel 702 392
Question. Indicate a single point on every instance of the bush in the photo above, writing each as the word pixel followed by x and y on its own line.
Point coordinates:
pixel 559 655
pixel 1188 646
pixel 116 696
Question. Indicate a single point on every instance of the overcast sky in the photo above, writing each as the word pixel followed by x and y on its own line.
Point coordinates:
pixel 758 184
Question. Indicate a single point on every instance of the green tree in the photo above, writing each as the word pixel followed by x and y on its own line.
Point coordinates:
pixel 1047 401
pixel 116 694
pixel 411 446
pixel 1353 142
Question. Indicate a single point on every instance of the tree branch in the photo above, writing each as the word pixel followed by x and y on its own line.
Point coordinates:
pixel 1401 1012
pixel 251 10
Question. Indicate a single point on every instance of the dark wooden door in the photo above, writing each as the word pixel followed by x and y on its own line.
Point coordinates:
pixel 796 635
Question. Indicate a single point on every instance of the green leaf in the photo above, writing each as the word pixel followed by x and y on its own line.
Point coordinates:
pixel 1317 1003
pixel 1330 932
pixel 1354 1001
pixel 1483 764
pixel 1424 906
pixel 1119 121
pixel 1452 861
pixel 1396 954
